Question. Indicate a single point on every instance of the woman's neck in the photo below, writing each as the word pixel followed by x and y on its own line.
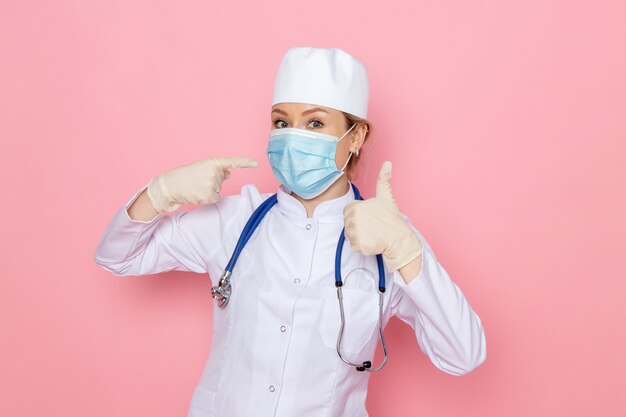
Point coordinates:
pixel 338 189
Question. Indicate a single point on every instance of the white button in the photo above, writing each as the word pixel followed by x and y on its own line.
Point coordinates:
pixel 283 329
pixel 272 389
pixel 308 227
pixel 296 280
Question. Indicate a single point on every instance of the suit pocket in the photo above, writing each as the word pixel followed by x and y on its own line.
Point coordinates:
pixel 361 317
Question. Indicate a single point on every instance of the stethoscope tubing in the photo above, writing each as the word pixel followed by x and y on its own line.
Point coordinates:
pixel 223 290
pixel 249 229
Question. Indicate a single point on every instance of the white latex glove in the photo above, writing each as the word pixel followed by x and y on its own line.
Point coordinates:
pixel 376 226
pixel 196 183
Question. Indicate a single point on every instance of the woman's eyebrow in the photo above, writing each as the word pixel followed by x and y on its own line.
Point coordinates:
pixel 314 109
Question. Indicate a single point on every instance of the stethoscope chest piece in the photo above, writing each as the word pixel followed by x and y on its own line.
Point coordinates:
pixel 221 292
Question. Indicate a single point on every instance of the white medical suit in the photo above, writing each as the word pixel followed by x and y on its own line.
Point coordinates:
pixel 273 350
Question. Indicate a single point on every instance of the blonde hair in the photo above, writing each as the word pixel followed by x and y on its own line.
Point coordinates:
pixel 354 160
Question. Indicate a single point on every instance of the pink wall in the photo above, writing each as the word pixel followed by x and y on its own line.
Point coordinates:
pixel 506 125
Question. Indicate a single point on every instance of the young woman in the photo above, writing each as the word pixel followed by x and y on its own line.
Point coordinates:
pixel 298 315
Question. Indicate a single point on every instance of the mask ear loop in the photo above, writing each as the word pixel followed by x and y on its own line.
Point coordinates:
pixel 349 156
pixel 346 164
pixel 348 131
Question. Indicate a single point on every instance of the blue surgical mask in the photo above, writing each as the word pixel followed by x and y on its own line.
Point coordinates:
pixel 304 160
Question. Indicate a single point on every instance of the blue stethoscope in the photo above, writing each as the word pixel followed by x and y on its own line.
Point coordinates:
pixel 222 291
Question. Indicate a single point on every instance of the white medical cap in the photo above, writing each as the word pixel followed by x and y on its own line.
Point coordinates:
pixel 327 77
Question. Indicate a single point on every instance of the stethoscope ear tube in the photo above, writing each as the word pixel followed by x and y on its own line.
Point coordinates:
pixel 366 365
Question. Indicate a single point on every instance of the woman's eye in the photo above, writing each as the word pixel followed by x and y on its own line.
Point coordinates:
pixel 316 124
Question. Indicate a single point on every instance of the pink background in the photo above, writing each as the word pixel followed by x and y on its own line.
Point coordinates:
pixel 505 122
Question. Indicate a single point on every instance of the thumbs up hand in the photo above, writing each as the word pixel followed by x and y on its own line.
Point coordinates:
pixel 376 226
pixel 196 183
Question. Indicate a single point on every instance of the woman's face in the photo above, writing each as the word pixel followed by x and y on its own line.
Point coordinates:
pixel 319 119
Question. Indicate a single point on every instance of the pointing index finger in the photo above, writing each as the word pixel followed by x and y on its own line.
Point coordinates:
pixel 236 162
